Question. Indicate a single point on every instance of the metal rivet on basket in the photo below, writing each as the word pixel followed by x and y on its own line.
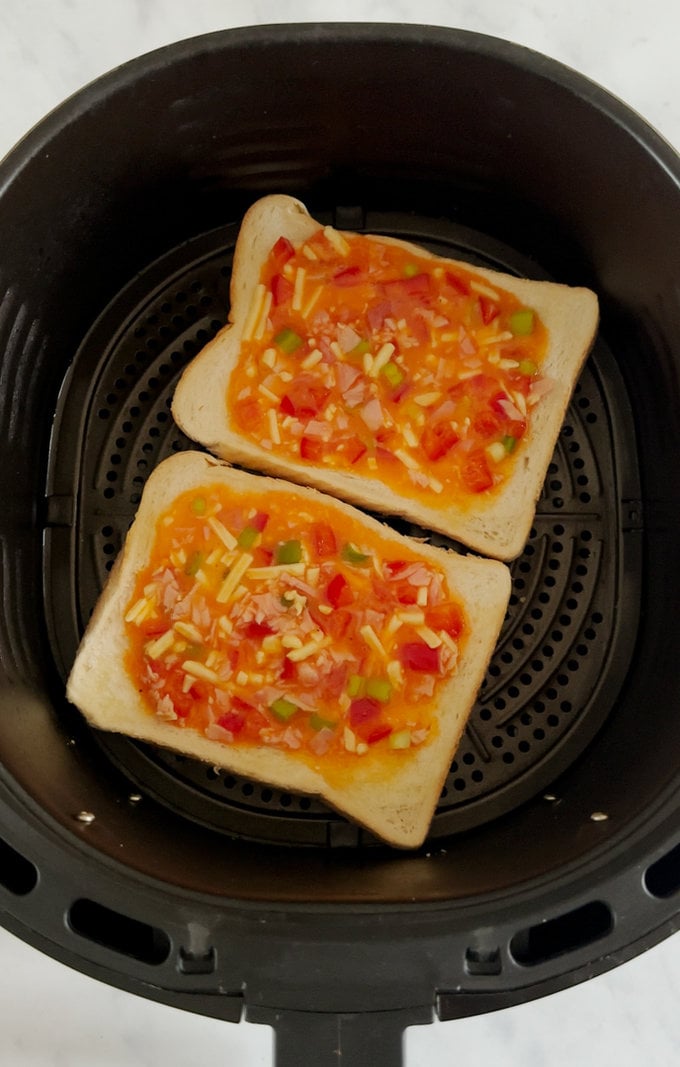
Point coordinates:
pixel 86 817
pixel 599 816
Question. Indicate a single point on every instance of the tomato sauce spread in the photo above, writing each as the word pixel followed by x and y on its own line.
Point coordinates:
pixel 290 629
pixel 360 355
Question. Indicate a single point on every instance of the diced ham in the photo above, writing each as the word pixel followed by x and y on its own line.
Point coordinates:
pixel 372 414
pixel 346 375
pixel 348 338
pixel 218 733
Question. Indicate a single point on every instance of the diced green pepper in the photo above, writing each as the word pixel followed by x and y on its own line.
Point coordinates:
pixel 283 709
pixel 509 442
pixel 287 340
pixel 411 269
pixel 194 564
pixel 379 688
pixel 522 322
pixel 247 537
pixel 351 554
pixel 317 722
pixel 360 349
pixel 199 505
pixel 401 739
pixel 528 367
pixel 393 373
pixel 356 685
pixel 289 552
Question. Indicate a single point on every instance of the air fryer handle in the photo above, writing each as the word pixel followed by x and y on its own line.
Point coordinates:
pixel 321 1039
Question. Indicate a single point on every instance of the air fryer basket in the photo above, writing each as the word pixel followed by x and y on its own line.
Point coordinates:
pixel 555 849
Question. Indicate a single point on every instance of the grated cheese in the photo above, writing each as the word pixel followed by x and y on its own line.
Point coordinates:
pixel 164 643
pixel 372 640
pixel 228 587
pixel 314 357
pixel 188 630
pixel 221 531
pixel 273 427
pixel 381 358
pixel 484 290
pixel 298 288
pixel 336 239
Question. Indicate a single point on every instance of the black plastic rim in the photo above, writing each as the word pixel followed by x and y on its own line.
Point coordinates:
pixel 76 890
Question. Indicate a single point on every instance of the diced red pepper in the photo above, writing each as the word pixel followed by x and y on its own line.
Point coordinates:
pixel 286 405
pixel 282 251
pixel 339 592
pixel 259 520
pixel 348 276
pixel 257 630
pixel 476 474
pixel 488 309
pixel 496 402
pixel 282 290
pixel 396 566
pixel 323 539
pixel 446 616
pixel 438 439
pixel 460 284
pixel 288 670
pixel 378 733
pixel 311 448
pixel 417 656
pixel 364 710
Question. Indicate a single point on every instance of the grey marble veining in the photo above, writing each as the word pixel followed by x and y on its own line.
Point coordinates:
pixel 53 1017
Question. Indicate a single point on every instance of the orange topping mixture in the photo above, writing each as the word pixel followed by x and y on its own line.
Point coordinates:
pixel 358 355
pixel 275 627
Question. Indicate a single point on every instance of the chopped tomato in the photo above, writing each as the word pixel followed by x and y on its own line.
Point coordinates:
pixel 248 412
pixel 487 424
pixel 339 592
pixel 233 721
pixel 417 656
pixel 305 396
pixel 447 616
pixel 323 539
pixel 476 474
pixel 418 287
pixel 353 448
pixel 438 439
pixel 311 448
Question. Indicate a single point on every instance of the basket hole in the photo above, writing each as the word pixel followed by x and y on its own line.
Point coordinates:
pixel 118 932
pixel 17 874
pixel 566 933
pixel 662 879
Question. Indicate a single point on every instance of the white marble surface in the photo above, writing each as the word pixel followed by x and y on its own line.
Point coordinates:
pixel 52 1017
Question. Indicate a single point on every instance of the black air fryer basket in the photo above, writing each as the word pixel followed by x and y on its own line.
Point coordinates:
pixel 555 850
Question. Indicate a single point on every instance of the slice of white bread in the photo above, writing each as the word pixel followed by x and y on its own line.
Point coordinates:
pixel 494 523
pixel 397 803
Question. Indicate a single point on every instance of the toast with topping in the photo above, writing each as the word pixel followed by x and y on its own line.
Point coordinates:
pixel 390 377
pixel 283 635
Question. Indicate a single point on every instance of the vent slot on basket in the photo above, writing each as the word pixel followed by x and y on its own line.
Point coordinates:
pixel 555 937
pixel 662 879
pixel 120 933
pixel 17 874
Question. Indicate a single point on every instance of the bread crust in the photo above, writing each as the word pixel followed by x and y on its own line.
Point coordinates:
pixel 496 524
pixel 394 802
